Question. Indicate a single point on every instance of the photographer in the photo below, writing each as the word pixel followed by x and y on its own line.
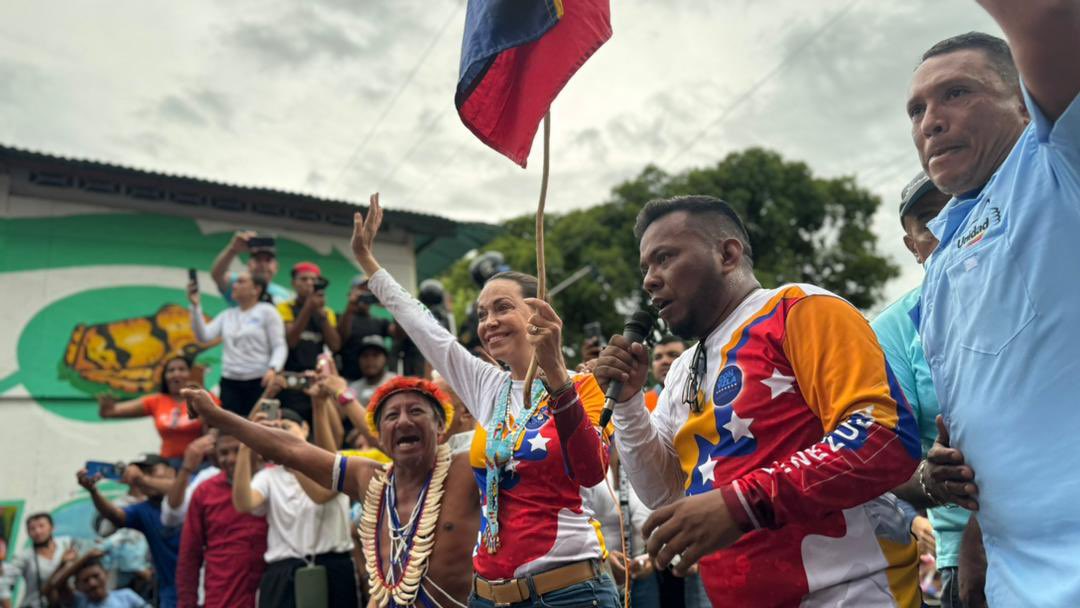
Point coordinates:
pixel 153 476
pixel 262 261
pixel 310 326
pixel 357 323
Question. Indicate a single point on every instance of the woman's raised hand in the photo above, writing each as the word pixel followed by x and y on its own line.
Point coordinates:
pixel 363 238
pixel 544 331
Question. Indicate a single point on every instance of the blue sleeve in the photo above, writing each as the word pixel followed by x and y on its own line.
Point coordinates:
pixel 1063 135
pixel 134 517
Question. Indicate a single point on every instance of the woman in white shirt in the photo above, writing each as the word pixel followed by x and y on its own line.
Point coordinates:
pixel 253 341
pixel 308 525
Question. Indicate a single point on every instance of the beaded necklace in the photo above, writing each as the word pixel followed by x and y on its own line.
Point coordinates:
pixel 418 535
pixel 501 441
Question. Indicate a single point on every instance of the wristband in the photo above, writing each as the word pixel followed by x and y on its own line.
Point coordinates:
pixel 337 475
pixel 346 397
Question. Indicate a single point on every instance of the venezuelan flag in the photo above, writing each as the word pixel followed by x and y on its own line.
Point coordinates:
pixel 516 56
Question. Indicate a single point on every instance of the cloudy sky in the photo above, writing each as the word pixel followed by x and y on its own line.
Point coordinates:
pixel 343 97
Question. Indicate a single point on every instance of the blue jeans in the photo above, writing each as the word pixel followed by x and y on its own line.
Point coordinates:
pixel 599 591
pixel 695 593
pixel 644 592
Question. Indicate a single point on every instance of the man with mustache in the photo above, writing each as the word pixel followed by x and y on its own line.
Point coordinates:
pixel 777 426
pixel 998 127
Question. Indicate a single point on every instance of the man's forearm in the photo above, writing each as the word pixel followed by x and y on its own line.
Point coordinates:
pixel 329 332
pixel 911 491
pixel 296 328
pixel 345 324
pixel 175 495
pixel 1044 36
pixel 220 267
pixel 107 509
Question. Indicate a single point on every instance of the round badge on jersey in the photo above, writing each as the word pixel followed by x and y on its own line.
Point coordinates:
pixel 728 385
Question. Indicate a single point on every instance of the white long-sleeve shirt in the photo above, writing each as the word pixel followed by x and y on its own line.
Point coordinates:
pixel 253 339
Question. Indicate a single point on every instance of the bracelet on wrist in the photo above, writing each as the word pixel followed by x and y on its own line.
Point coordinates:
pixel 345 397
pixel 926 488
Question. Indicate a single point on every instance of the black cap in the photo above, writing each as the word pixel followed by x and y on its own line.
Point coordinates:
pixel 149 461
pixel 373 341
pixel 914 191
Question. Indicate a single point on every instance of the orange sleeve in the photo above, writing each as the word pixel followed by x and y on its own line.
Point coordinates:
pixel 838 363
pixel 870 443
pixel 150 404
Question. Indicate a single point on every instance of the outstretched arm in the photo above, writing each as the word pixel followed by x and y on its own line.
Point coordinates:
pixel 107 509
pixel 1045 39
pixel 465 373
pixel 221 264
pixel 109 407
pixel 277 445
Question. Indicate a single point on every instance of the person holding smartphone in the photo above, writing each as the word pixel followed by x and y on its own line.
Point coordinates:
pixel 310 328
pixel 262 261
pixel 253 341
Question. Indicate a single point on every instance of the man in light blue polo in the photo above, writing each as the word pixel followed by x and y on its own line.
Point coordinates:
pixel 895 327
pixel 999 318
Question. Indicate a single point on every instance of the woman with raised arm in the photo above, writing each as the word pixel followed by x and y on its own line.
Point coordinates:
pixel 253 347
pixel 538 541
pixel 169 410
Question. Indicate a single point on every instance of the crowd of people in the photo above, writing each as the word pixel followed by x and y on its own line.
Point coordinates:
pixel 775 449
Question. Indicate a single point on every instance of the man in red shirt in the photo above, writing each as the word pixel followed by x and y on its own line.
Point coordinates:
pixel 231 544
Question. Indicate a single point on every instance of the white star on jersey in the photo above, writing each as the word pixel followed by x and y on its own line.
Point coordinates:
pixel 707 470
pixel 539 443
pixel 739 427
pixel 779 383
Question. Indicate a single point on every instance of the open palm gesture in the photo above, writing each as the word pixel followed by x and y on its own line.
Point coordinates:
pixel 363 238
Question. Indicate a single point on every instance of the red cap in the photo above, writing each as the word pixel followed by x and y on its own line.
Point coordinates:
pixel 306 267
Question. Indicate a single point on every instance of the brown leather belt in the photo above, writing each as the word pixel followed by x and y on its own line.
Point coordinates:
pixel 510 591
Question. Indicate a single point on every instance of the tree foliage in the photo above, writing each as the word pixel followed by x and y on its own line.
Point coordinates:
pixel 802 229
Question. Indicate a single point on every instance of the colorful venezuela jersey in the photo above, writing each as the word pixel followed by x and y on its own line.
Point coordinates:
pixel 803 429
pixel 543 520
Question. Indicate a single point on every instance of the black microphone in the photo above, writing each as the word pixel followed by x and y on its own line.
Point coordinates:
pixel 635 330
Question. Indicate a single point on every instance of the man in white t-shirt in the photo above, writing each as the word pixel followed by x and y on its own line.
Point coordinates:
pixel 308 524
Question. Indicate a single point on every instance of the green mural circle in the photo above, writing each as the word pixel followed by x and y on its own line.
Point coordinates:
pixel 73 349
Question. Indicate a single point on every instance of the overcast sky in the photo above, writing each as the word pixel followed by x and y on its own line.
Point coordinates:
pixel 343 97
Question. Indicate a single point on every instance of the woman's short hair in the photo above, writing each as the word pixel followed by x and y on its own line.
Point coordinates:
pixel 529 285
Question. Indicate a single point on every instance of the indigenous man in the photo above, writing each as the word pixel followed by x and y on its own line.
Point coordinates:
pixel 778 425
pixel 424 507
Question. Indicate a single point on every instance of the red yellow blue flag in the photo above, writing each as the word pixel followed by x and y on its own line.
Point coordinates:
pixel 516 55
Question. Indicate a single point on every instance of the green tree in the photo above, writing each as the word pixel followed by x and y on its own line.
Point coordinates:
pixel 802 228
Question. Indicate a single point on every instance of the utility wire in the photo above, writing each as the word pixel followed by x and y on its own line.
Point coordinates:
pixel 397 94
pixel 792 55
